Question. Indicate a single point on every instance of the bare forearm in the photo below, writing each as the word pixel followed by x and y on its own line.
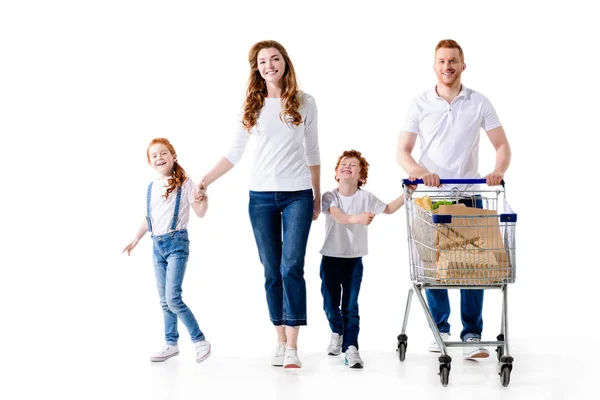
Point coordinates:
pixel 221 168
pixel 394 205
pixel 200 207
pixel 141 232
pixel 315 173
pixel 503 156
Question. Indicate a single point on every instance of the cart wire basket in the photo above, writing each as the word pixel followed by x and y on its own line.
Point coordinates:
pixel 460 237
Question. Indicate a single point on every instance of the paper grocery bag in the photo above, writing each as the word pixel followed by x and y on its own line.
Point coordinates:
pixel 472 226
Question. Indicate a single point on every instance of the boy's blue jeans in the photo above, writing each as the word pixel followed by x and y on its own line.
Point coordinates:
pixel 471 300
pixel 281 222
pixel 171 252
pixel 340 285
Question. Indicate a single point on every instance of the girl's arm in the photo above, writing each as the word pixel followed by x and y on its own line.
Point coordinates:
pixel 140 233
pixel 394 205
pixel 200 207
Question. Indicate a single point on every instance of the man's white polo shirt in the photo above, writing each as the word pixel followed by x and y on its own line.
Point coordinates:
pixel 449 133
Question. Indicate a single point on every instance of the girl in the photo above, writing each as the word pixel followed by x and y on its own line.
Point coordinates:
pixel 285 193
pixel 167 217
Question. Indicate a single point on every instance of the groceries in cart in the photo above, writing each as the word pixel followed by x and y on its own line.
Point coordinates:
pixel 458 244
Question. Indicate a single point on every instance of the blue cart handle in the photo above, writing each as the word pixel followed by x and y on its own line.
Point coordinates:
pixel 449 181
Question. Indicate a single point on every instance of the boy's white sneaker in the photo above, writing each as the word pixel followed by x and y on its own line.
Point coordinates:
pixel 434 348
pixel 167 351
pixel 202 350
pixel 291 359
pixel 352 358
pixel 277 359
pixel 471 353
pixel 335 345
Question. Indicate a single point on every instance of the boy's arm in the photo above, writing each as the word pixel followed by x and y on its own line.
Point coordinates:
pixel 342 218
pixel 200 207
pixel 140 233
pixel 394 205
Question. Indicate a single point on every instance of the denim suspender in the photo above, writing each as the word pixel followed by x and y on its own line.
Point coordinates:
pixel 175 213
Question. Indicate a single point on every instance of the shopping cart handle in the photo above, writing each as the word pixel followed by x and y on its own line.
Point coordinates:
pixel 449 181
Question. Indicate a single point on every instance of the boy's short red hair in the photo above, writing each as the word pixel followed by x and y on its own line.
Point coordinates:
pixel 364 165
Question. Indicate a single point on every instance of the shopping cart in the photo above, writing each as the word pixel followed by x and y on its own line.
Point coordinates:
pixel 459 247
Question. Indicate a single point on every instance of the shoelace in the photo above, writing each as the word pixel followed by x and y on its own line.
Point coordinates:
pixel 201 347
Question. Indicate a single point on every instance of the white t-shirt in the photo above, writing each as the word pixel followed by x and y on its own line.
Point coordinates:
pixel 348 240
pixel 449 133
pixel 283 151
pixel 161 210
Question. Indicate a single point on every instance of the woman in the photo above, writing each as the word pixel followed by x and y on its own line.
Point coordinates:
pixel 285 188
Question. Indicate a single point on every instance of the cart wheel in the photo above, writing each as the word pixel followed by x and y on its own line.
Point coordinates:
pixel 505 374
pixel 444 374
pixel 402 351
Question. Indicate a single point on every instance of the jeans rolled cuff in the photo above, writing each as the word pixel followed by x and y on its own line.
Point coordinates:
pixel 468 336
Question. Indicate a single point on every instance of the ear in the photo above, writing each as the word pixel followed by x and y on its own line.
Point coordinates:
pixel 464 66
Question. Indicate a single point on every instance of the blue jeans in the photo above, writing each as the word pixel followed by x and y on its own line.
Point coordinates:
pixel 471 301
pixel 281 222
pixel 171 252
pixel 340 284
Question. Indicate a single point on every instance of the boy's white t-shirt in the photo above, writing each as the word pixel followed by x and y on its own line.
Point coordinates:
pixel 348 240
pixel 161 210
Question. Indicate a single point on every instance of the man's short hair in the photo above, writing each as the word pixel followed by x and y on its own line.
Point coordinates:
pixel 450 44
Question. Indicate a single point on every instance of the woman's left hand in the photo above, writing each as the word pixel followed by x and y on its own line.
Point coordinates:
pixel 316 208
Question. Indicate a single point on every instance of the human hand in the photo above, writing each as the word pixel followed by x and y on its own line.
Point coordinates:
pixel 130 247
pixel 431 179
pixel 494 178
pixel 316 208
pixel 199 192
pixel 365 218
pixel 412 188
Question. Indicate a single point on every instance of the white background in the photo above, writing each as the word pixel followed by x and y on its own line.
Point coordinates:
pixel 84 87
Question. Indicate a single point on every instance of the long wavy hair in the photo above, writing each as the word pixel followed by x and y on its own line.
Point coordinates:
pixel 257 88
pixel 178 176
pixel 364 165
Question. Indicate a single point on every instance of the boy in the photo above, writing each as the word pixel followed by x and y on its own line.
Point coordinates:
pixel 348 211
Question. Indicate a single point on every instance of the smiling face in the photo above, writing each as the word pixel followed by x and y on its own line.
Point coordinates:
pixel 448 66
pixel 349 171
pixel 161 159
pixel 271 65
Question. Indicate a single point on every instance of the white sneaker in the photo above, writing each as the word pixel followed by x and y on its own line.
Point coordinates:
pixel 434 348
pixel 291 360
pixel 202 350
pixel 335 345
pixel 353 359
pixel 277 359
pixel 165 353
pixel 471 353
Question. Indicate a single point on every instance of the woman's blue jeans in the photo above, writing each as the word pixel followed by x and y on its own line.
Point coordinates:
pixel 281 222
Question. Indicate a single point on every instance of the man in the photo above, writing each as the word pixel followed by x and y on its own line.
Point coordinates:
pixel 447 120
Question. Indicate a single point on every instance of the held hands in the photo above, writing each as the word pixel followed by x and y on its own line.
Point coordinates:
pixel 316 208
pixel 494 179
pixel 365 218
pixel 199 192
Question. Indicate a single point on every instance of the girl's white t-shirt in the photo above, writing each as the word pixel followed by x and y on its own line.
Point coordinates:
pixel 348 240
pixel 161 210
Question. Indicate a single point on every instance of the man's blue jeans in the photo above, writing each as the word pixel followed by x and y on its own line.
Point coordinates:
pixel 340 284
pixel 281 222
pixel 171 252
pixel 471 301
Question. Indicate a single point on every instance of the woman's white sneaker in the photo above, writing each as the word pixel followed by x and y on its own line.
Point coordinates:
pixel 165 353
pixel 277 359
pixel 291 359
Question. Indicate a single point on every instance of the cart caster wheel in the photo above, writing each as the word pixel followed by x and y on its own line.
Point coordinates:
pixel 444 374
pixel 505 374
pixel 402 351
